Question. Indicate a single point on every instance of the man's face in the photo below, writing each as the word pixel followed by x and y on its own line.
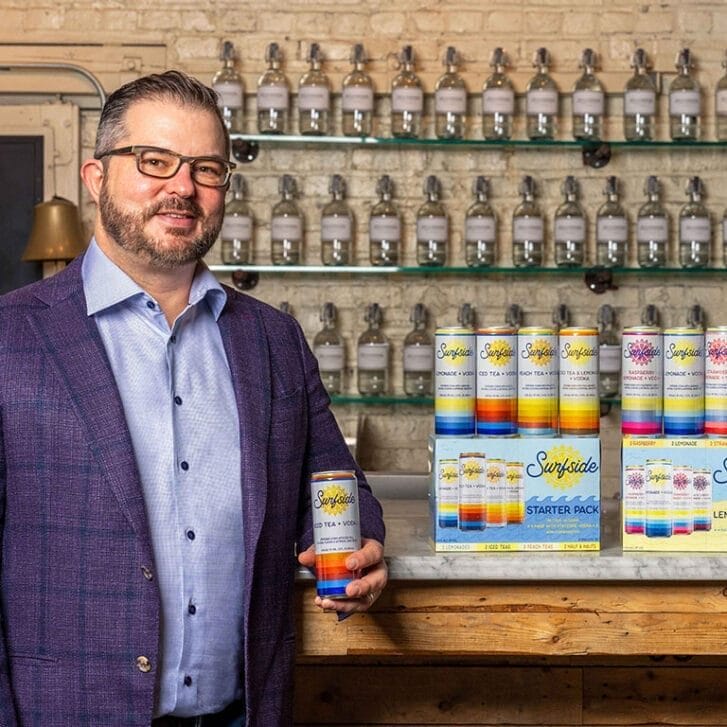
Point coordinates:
pixel 163 222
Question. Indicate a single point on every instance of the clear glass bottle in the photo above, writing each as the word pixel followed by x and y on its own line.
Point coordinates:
pixel 720 105
pixel 609 353
pixel 528 229
pixel 237 224
pixel 227 84
pixel 684 100
pixel 432 226
pixel 450 99
pixel 407 98
pixel 336 225
pixel 357 97
pixel 328 348
pixel 273 95
pixel 612 229
pixel 286 225
pixel 541 99
pixel 314 96
pixel 695 228
pixel 569 227
pixel 480 228
pixel 418 355
pixel 652 228
pixel 498 100
pixel 639 101
pixel 384 226
pixel 589 101
pixel 373 355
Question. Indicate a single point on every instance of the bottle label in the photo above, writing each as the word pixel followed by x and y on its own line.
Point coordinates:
pixel 684 102
pixel 479 228
pixel 236 227
pixel 652 228
pixel 418 358
pixel 229 94
pixel 272 97
pixel 570 228
pixel 641 102
pixel 498 101
pixel 313 97
pixel 542 101
pixel 588 102
pixel 335 227
pixel 373 356
pixel 407 99
pixel 357 98
pixel 612 228
pixel 609 358
pixel 432 228
pixel 384 228
pixel 527 228
pixel 721 102
pixel 286 228
pixel 330 358
pixel 695 228
pixel 450 101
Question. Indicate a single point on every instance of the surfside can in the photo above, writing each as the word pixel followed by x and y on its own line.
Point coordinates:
pixel 496 493
pixel 634 499
pixel 472 491
pixel 715 382
pixel 641 381
pixel 682 499
pixel 447 493
pixel 702 492
pixel 515 492
pixel 579 403
pixel 683 382
pixel 336 529
pixel 658 498
pixel 454 382
pixel 537 382
pixel 497 381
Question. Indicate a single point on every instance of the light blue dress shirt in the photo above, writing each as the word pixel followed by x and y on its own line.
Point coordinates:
pixel 180 408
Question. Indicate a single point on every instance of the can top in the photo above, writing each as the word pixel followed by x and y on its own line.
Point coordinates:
pixel 458 330
pixel 717 329
pixel 641 330
pixel 683 331
pixel 497 330
pixel 471 454
pixel 536 331
pixel 658 461
pixel 579 331
pixel 447 459
pixel 497 461
pixel 514 464
pixel 636 466
pixel 333 475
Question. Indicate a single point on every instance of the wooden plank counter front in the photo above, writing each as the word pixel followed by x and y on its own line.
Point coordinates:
pixel 508 648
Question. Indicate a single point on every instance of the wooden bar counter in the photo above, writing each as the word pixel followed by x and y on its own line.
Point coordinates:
pixel 548 638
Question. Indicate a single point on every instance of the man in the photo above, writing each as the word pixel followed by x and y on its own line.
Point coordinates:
pixel 157 436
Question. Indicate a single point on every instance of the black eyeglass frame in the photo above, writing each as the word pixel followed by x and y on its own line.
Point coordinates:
pixel 137 150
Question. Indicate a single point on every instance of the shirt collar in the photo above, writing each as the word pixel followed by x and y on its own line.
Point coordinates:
pixel 105 284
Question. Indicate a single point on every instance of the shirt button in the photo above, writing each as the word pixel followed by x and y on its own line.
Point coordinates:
pixel 143 664
pixel 184 465
pixel 147 573
pixel 173 338
pixel 192 609
pixel 187 681
pixel 150 304
pixel 190 534
pixel 178 400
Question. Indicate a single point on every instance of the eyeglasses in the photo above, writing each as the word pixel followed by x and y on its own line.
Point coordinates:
pixel 164 164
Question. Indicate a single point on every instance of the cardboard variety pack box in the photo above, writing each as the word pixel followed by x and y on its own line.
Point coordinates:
pixel 674 494
pixel 515 494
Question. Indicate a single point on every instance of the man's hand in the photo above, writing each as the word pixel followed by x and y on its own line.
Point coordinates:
pixel 363 591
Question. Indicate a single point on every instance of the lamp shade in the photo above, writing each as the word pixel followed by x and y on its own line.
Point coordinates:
pixel 56 233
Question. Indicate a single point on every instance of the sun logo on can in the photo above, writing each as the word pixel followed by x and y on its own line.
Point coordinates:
pixel 539 351
pixel 448 473
pixel 498 352
pixel 334 500
pixel 562 466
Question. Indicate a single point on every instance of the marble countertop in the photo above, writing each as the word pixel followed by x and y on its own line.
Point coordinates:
pixel 410 556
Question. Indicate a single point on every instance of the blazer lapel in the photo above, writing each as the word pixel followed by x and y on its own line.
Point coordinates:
pixel 76 352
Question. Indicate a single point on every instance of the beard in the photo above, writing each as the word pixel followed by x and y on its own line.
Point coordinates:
pixel 127 231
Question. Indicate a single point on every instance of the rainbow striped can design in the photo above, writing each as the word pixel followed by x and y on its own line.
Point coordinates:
pixel 447 493
pixel 658 498
pixel 579 403
pixel 497 381
pixel 702 493
pixel 472 491
pixel 682 499
pixel 454 382
pixel 496 493
pixel 683 382
pixel 641 382
pixel 515 492
pixel 715 382
pixel 336 529
pixel 634 499
pixel 537 382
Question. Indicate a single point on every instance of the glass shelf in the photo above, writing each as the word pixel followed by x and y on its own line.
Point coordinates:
pixel 401 399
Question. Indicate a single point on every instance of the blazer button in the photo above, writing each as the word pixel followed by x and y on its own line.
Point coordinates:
pixel 147 573
pixel 143 664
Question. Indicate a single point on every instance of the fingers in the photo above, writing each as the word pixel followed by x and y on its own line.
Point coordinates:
pixel 307 557
pixel 371 552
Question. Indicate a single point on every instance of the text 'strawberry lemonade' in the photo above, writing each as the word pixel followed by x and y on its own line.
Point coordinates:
pixel 336 529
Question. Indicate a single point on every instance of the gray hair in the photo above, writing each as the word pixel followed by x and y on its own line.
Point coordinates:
pixel 168 86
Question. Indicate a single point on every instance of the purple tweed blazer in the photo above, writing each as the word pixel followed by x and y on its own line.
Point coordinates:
pixel 78 598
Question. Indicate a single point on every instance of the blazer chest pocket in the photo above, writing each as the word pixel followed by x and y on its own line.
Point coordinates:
pixel 288 426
